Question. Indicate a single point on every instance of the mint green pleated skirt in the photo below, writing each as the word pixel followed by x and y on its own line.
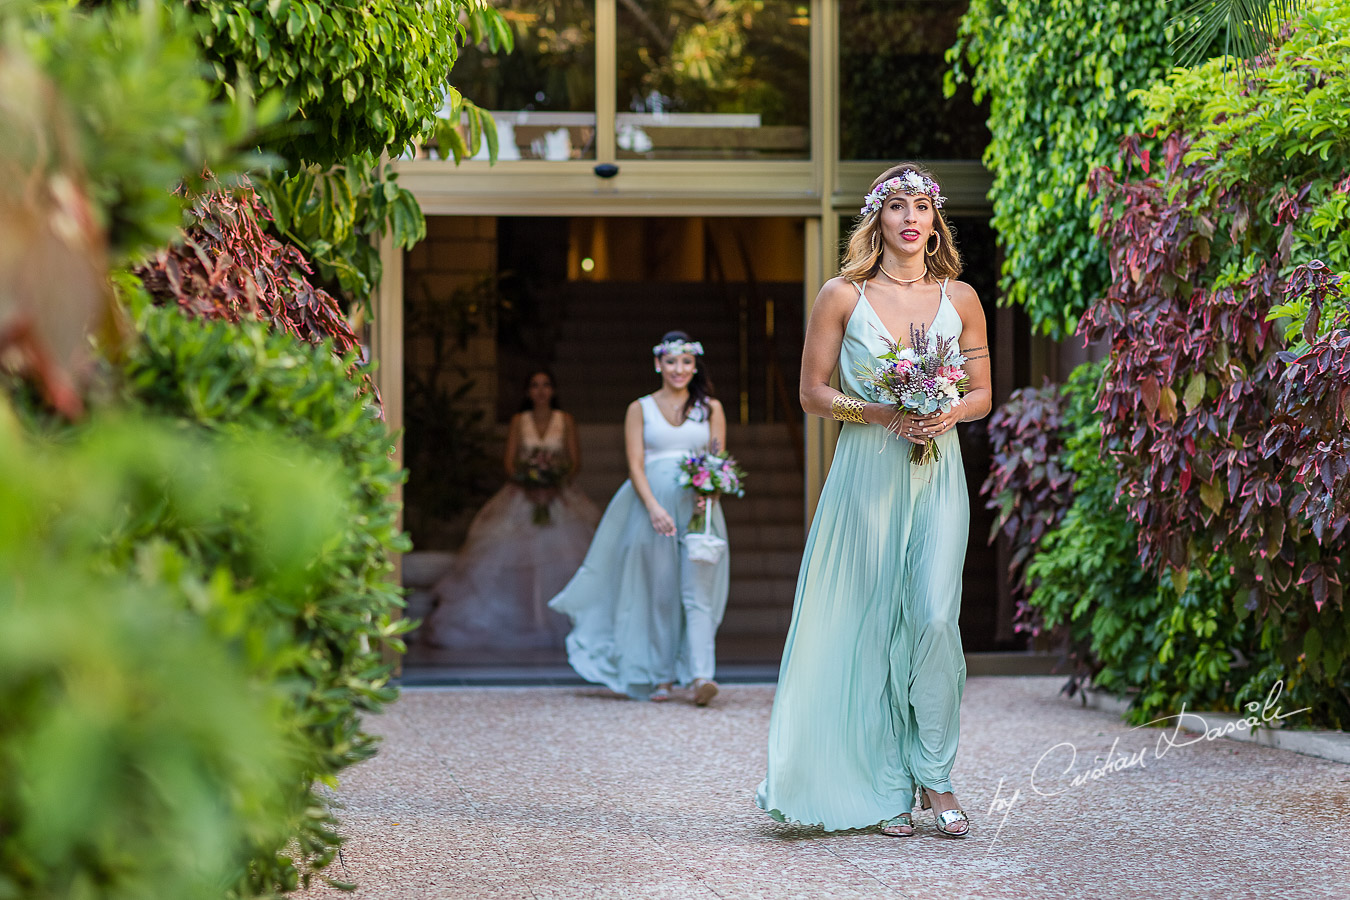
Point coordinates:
pixel 869 692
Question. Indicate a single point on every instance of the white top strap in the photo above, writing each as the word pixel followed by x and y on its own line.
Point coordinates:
pixel 944 286
pixel 860 287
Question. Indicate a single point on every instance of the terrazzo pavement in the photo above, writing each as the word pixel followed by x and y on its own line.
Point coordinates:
pixel 571 793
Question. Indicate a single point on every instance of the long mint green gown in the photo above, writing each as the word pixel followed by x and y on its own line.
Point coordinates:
pixel 869 692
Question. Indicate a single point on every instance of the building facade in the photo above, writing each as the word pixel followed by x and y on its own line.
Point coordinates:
pixel 680 164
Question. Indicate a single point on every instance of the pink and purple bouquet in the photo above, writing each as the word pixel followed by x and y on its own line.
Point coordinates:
pixel 923 378
pixel 711 475
pixel 541 473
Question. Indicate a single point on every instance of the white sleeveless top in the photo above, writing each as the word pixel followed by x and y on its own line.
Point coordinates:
pixel 662 440
pixel 552 438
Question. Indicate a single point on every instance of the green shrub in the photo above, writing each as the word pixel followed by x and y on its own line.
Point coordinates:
pixel 1231 432
pixel 359 78
pixel 1058 76
pixel 1162 643
pixel 321 635
pixel 229 551
pixel 337 218
pixel 125 109
pixel 1030 485
pixel 139 756
pixel 1269 164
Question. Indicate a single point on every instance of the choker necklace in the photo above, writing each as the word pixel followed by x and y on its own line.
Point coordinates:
pixel 903 280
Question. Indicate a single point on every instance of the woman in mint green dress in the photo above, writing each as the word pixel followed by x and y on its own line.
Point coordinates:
pixel 644 614
pixel 867 709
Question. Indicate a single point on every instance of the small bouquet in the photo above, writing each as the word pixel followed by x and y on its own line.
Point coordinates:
pixel 541 473
pixel 709 475
pixel 924 378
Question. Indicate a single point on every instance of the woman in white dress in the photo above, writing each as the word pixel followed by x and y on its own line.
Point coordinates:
pixel 645 614
pixel 524 544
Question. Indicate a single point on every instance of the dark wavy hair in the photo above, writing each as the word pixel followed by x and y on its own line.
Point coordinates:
pixel 700 386
pixel 526 404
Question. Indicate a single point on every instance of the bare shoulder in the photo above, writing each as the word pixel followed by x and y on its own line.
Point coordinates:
pixel 966 301
pixel 715 405
pixel 838 295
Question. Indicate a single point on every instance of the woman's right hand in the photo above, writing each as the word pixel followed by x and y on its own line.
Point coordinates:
pixel 899 424
pixel 662 523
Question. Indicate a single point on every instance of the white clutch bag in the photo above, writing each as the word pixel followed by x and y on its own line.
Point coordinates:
pixel 704 546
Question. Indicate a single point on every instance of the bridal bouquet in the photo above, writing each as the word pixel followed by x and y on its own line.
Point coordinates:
pixel 541 473
pixel 710 475
pixel 924 378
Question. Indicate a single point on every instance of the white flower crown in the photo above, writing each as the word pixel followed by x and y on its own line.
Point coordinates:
pixel 671 348
pixel 909 182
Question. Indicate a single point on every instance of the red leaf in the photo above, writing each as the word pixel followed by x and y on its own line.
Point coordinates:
pixel 1148 387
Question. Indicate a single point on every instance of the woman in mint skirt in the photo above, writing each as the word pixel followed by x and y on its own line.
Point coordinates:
pixel 867 711
pixel 644 614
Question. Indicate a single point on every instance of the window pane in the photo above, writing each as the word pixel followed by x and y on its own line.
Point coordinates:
pixel 725 80
pixel 542 95
pixel 891 66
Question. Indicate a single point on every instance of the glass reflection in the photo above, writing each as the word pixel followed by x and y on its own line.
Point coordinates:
pixel 723 79
pixel 542 95
pixel 891 66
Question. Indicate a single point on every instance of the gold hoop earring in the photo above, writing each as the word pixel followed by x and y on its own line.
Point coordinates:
pixel 936 247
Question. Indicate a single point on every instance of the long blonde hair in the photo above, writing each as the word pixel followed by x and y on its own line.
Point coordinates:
pixel 862 258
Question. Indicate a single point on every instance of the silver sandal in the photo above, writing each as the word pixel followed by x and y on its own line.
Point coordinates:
pixel 945 818
pixel 904 820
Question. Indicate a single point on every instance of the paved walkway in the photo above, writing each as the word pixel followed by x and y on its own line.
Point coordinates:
pixel 565 793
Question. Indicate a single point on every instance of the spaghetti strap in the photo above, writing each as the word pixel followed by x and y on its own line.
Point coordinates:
pixel 861 288
pixel 944 287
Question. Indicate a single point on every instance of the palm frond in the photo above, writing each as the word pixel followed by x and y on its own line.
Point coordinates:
pixel 1248 27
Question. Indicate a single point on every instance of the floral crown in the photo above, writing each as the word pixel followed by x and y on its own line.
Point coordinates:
pixel 909 182
pixel 672 348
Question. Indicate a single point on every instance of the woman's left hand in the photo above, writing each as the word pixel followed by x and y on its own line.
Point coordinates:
pixel 923 428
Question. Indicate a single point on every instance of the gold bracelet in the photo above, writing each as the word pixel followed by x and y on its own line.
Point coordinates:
pixel 848 409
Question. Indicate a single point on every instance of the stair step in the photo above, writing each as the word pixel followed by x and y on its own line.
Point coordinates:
pixel 771 510
pixel 766 537
pixel 764 591
pixel 766 621
pixel 756 564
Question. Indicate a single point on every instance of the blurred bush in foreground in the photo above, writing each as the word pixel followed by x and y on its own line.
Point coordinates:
pixel 139 755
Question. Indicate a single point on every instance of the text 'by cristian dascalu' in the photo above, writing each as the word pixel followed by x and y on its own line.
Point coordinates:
pixel 1058 770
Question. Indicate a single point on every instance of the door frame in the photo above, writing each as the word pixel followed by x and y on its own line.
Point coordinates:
pixel 819 190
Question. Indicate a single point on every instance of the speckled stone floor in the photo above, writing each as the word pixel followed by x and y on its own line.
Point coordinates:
pixel 565 793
